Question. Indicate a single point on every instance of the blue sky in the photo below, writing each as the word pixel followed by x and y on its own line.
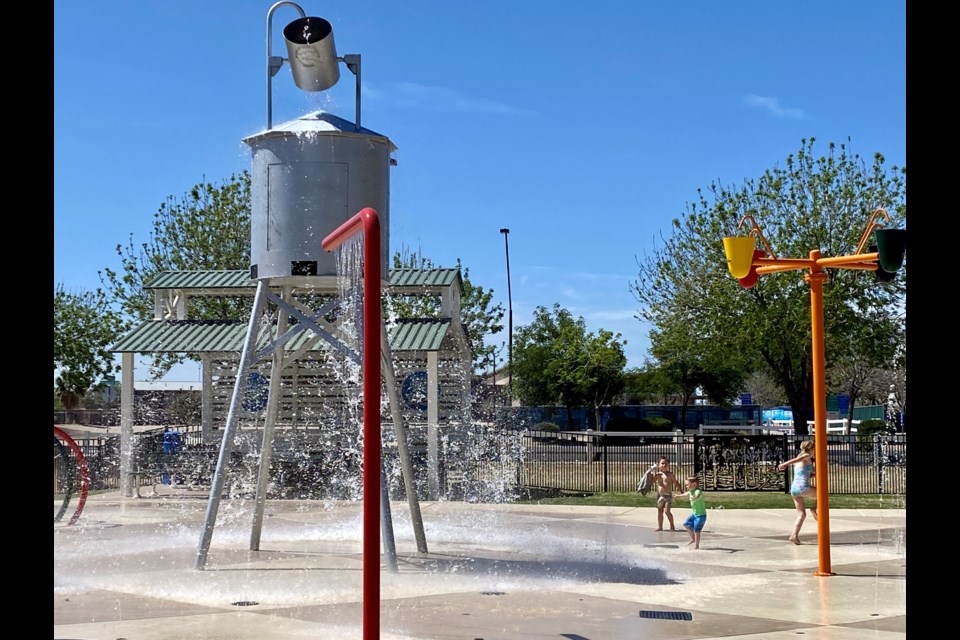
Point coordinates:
pixel 584 128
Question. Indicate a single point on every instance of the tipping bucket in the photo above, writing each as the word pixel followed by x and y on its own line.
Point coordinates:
pixel 739 250
pixel 891 245
pixel 313 56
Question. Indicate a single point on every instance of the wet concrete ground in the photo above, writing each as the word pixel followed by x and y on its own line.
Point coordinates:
pixel 492 572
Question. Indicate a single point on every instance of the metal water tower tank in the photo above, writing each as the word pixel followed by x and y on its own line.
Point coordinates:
pixel 309 176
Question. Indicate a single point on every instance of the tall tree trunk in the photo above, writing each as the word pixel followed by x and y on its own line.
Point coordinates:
pixel 797 385
pixel 70 400
pixel 853 401
pixel 683 412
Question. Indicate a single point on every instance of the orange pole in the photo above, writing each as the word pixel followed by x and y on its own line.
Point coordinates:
pixel 776 268
pixel 816 278
pixel 785 263
pixel 863 266
pixel 847 261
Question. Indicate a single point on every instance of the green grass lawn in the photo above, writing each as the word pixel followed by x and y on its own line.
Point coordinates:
pixel 727 500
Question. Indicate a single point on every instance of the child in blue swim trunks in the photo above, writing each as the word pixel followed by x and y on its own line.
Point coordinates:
pixel 801 487
pixel 694 523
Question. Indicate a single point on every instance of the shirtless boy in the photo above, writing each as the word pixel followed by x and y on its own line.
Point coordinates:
pixel 666 482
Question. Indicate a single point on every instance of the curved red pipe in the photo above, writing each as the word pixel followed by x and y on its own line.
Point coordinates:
pixel 84 472
pixel 367 221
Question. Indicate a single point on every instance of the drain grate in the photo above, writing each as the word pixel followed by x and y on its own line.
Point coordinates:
pixel 245 603
pixel 667 615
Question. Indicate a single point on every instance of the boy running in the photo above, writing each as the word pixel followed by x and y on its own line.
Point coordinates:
pixel 694 523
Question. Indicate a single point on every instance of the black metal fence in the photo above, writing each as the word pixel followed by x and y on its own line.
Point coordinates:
pixel 498 463
pixel 102 457
pixel 586 462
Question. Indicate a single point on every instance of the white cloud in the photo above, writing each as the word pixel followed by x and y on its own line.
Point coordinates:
pixel 773 106
pixel 419 96
pixel 614 315
pixel 598 276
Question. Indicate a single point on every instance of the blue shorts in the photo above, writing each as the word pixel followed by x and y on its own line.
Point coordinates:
pixel 695 522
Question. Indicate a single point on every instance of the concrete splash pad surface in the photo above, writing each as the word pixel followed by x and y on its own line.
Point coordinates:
pixel 125 570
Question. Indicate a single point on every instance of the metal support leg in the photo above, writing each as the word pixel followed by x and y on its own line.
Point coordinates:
pixel 226 446
pixel 403 450
pixel 269 424
pixel 386 523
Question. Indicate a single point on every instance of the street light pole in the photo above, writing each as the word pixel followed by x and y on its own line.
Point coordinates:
pixel 506 246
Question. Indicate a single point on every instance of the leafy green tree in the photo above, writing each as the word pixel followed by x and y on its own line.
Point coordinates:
pixel 557 361
pixel 207 228
pixel 638 387
pixel 877 389
pixel 84 327
pixel 764 390
pixel 649 384
pixel 479 317
pixel 601 372
pixel 812 202
pixel 679 364
pixel 852 371
pixel 693 357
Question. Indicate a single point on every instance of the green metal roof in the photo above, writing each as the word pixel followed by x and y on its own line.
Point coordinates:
pixel 240 279
pixel 207 279
pixel 421 334
pixel 227 336
pixel 438 277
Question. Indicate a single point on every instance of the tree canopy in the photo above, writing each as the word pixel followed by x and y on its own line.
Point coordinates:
pixel 557 361
pixel 84 327
pixel 207 228
pixel 811 202
pixel 690 362
pixel 479 317
pixel 647 385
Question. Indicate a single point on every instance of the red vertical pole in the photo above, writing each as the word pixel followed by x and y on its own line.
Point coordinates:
pixel 816 278
pixel 371 425
pixel 367 220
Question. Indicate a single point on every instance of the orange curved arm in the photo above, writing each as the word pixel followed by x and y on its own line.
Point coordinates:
pixel 871 225
pixel 755 230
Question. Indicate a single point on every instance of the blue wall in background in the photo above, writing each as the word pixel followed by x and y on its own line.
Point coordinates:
pixel 583 418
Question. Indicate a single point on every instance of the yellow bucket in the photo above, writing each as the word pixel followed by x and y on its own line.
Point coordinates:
pixel 739 250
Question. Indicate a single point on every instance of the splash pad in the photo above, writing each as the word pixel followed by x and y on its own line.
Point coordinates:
pixel 493 571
